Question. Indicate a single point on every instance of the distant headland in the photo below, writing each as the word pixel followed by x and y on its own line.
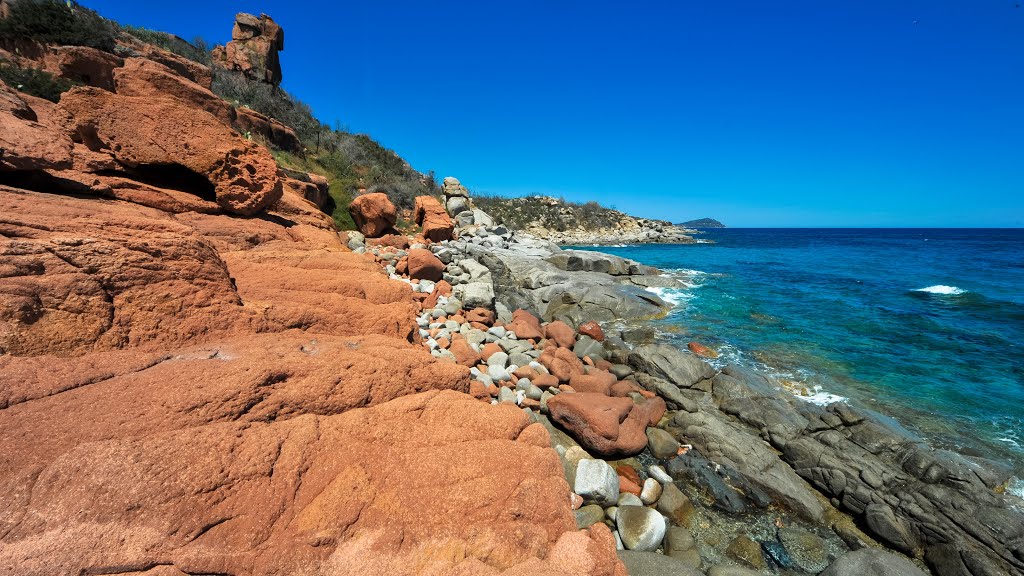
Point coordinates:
pixel 702 223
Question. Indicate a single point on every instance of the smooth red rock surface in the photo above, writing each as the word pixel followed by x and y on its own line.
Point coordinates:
pixel 605 426
pixel 423 265
pixel 525 325
pixel 561 333
pixel 374 214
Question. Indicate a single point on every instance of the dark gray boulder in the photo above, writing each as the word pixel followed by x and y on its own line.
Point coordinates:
pixel 655 564
pixel 681 368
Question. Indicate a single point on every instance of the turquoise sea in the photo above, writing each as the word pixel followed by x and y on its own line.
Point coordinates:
pixel 925 325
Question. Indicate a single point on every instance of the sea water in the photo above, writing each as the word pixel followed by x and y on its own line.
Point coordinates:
pixel 922 325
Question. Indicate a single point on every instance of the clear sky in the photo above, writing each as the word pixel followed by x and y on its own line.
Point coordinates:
pixel 783 113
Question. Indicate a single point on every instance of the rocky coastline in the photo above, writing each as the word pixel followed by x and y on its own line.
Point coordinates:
pixel 200 375
pixel 718 471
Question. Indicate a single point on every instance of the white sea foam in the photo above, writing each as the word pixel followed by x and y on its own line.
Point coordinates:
pixel 942 289
pixel 1015 487
pixel 674 296
pixel 820 397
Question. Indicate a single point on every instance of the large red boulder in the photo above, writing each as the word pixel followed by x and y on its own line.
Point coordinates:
pixel 525 325
pixel 597 381
pixel 374 214
pixel 606 426
pixel 561 363
pixel 84 65
pixel 423 265
pixel 561 333
pixel 151 136
pixel 146 78
pixel 437 225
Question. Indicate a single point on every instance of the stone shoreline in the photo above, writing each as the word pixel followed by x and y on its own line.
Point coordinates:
pixel 718 470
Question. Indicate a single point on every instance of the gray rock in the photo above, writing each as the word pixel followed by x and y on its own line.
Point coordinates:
pixel 498 373
pixel 356 240
pixel 729 570
pixel 498 359
pixel 640 528
pixel 464 219
pixel 654 564
pixel 621 370
pixel 587 346
pixel 597 482
pixel 627 499
pixel 746 551
pixel 806 549
pixel 534 393
pixel 481 218
pixel 456 205
pixel 475 294
pixel 659 474
pixel 681 368
pixel 589 515
pixel 675 505
pixel 662 445
pixel 650 491
pixel 872 562
pixel 678 539
pixel 506 395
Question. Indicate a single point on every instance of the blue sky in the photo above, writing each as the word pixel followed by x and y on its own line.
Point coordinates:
pixel 785 113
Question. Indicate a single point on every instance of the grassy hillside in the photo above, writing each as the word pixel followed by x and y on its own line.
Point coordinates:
pixel 552 213
pixel 351 162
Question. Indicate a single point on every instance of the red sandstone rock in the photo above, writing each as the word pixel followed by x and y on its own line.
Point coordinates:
pixel 628 486
pixel 597 381
pixel 481 315
pixel 249 121
pixel 423 265
pixel 146 78
pixel 374 214
pixel 544 381
pixel 27 142
pixel 525 325
pixel 396 241
pixel 464 353
pixel 150 133
pixel 701 350
pixel 83 65
pixel 604 426
pixel 561 362
pixel 489 349
pixel 592 329
pixel 429 214
pixel 561 333
pixel 253 48
pixel 628 472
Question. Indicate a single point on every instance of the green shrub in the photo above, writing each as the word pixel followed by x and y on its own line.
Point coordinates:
pixel 56 22
pixel 197 50
pixel 521 213
pixel 35 82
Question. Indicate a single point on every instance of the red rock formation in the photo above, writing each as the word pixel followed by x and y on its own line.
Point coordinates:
pixel 184 391
pixel 374 214
pixel 605 426
pixel 253 48
pixel 139 132
pixel 429 214
pixel 423 265
pixel 561 333
pixel 525 325
pixel 592 329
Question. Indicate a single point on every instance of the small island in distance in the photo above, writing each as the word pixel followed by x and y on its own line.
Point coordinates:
pixel 702 223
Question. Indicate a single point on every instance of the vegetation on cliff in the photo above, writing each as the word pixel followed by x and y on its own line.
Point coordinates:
pixel 702 223
pixel 352 163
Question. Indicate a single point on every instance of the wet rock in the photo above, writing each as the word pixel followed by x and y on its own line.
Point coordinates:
pixel 744 550
pixel 675 505
pixel 806 549
pixel 654 564
pixel 728 570
pixel 701 350
pixel 872 562
pixel 640 528
pixel 662 445
pixel 591 329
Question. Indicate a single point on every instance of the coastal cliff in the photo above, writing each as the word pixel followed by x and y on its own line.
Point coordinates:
pixel 200 374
